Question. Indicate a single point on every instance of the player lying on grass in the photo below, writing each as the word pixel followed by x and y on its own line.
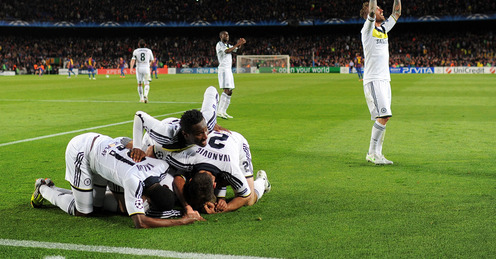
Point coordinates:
pixel 93 160
pixel 224 155
pixel 168 134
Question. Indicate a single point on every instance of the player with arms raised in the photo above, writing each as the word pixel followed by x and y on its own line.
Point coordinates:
pixel 142 56
pixel 376 79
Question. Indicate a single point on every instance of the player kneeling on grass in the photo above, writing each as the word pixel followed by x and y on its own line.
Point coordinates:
pixel 92 161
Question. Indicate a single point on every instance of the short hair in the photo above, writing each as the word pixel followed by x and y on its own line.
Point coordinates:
pixel 365 10
pixel 190 118
pixel 222 32
pixel 161 198
pixel 141 43
pixel 199 190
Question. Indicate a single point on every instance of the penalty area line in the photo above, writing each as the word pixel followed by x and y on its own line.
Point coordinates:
pixel 115 250
pixel 79 130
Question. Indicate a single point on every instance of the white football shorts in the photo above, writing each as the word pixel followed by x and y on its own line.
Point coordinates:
pixel 226 79
pixel 78 172
pixel 378 97
pixel 142 74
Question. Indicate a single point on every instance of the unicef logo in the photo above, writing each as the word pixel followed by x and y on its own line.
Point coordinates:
pixel 87 181
pixel 383 110
pixel 139 204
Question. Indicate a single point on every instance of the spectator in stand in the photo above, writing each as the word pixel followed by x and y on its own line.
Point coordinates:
pixel 449 48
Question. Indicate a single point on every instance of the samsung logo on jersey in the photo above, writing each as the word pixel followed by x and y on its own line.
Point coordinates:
pixel 381 41
pixel 214 156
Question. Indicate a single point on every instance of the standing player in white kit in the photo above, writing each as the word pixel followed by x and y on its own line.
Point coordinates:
pixel 143 57
pixel 224 52
pixel 376 79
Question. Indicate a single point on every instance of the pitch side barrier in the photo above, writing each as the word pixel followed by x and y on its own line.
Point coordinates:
pixel 64 71
pixel 342 70
pixel 261 70
pixel 432 70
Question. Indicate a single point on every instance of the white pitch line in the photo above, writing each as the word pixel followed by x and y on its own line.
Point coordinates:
pixel 117 250
pixel 76 131
pixel 86 101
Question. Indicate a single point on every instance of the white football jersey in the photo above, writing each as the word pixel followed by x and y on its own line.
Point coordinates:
pixel 110 159
pixel 143 57
pixel 167 132
pixel 225 59
pixel 376 50
pixel 220 157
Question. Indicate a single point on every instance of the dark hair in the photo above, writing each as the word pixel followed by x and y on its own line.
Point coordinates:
pixel 160 197
pixel 141 43
pixel 365 10
pixel 199 190
pixel 190 118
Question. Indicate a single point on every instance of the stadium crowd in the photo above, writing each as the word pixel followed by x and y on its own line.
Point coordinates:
pixel 93 11
pixel 408 49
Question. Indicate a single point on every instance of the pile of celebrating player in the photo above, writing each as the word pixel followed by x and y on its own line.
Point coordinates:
pixel 177 167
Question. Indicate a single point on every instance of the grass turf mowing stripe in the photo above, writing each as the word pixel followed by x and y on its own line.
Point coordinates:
pixel 116 250
pixel 79 130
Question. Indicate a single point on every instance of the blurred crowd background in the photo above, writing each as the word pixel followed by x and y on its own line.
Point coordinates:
pixel 468 43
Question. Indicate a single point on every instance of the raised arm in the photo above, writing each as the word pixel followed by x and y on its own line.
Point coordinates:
pixel 238 45
pixel 396 9
pixel 372 8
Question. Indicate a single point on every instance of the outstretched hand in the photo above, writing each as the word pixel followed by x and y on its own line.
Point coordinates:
pixel 196 216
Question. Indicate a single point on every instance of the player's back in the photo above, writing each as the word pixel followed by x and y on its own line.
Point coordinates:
pixel 221 154
pixel 110 160
pixel 143 56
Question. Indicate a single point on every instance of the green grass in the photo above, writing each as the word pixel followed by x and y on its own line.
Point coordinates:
pixel 310 133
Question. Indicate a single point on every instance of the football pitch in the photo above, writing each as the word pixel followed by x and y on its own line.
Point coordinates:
pixel 309 132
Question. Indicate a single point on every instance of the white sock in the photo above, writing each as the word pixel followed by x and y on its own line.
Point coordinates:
pixel 62 190
pixel 140 92
pixel 377 132
pixel 379 143
pixel 227 102
pixel 62 199
pixel 147 89
pixel 222 104
pixel 259 186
